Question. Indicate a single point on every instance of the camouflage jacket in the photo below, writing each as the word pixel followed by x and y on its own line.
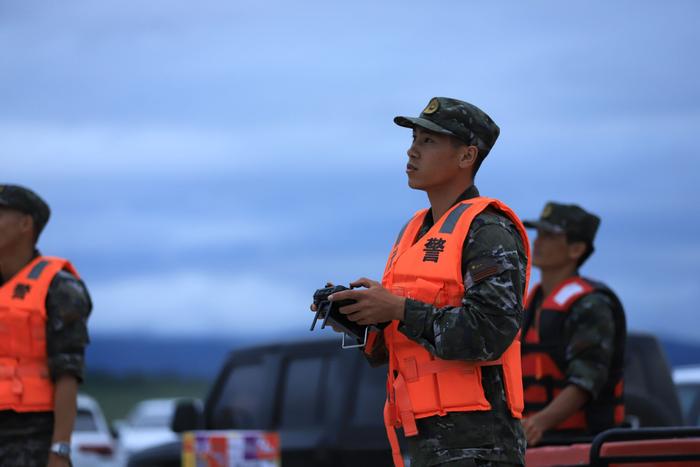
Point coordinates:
pixel 482 328
pixel 68 307
pixel 589 331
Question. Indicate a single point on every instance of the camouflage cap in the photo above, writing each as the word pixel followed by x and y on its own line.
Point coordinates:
pixel 25 200
pixel 570 219
pixel 457 118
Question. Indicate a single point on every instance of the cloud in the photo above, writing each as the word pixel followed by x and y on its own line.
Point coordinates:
pixel 40 150
pixel 131 230
pixel 198 303
pixel 186 145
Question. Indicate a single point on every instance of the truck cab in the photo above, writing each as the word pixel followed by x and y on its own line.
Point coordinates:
pixel 325 403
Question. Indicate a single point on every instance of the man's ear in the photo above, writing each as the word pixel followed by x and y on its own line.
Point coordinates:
pixel 468 156
pixel 576 250
pixel 26 223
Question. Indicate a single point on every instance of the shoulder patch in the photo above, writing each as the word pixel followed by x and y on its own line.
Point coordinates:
pixel 481 269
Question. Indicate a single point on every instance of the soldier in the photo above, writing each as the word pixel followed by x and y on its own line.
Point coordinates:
pixel 574 332
pixel 453 292
pixel 44 307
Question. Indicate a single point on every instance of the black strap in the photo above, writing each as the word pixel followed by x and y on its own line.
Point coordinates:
pixel 537 347
pixel 37 270
pixel 403 229
pixel 451 222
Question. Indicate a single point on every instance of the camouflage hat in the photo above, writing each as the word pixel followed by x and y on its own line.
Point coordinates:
pixel 457 118
pixel 25 200
pixel 569 219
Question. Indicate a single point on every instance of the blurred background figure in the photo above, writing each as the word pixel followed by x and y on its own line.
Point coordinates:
pixel 574 333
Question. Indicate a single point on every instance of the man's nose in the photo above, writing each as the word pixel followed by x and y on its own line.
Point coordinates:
pixel 412 153
pixel 536 242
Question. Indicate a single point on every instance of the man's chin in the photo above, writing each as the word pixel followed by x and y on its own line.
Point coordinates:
pixel 415 184
pixel 539 264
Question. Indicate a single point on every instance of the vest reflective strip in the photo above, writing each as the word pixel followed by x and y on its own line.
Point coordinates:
pixel 37 270
pixel 403 229
pixel 398 240
pixel 451 222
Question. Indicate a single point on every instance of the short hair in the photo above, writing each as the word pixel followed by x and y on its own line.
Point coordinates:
pixel 572 238
pixel 481 154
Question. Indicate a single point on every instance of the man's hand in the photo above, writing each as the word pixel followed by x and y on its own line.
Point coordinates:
pixel 375 304
pixel 314 309
pixel 57 461
pixel 571 399
pixel 313 305
pixel 534 429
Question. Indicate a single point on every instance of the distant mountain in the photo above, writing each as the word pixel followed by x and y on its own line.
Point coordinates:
pixel 154 356
pixel 680 352
pixel 197 357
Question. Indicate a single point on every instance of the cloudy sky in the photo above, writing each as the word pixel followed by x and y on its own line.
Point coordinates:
pixel 209 164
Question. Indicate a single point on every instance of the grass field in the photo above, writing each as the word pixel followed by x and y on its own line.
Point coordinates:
pixel 117 395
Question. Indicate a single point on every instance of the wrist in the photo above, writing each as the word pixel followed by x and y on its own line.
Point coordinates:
pixel 543 420
pixel 400 313
pixel 61 449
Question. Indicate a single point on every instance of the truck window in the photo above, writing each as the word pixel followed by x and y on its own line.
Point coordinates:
pixel 242 399
pixel 84 421
pixel 371 394
pixel 300 400
pixel 689 395
pixel 334 402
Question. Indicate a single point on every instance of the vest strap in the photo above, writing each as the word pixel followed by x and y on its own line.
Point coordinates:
pixel 412 370
pixel 23 371
pixel 405 407
pixel 389 424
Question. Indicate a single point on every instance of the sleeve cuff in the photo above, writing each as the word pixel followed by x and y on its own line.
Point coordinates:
pixel 587 376
pixel 57 374
pixel 583 384
pixel 415 316
pixel 66 365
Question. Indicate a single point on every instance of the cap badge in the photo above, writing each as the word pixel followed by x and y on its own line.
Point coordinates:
pixel 432 106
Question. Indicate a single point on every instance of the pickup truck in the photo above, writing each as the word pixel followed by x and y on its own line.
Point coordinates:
pixel 326 404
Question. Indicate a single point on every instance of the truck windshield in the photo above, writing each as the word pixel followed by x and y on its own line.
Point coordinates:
pixel 300 403
pixel 242 399
pixel 371 394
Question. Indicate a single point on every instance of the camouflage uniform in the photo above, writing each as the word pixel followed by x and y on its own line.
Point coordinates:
pixel 31 450
pixel 25 437
pixel 479 330
pixel 589 332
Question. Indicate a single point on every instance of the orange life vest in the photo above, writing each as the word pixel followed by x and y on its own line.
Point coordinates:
pixel 544 358
pixel 25 385
pixel 420 385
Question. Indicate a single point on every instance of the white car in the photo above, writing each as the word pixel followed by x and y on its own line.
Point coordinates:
pixel 147 425
pixel 91 442
pixel 687 380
